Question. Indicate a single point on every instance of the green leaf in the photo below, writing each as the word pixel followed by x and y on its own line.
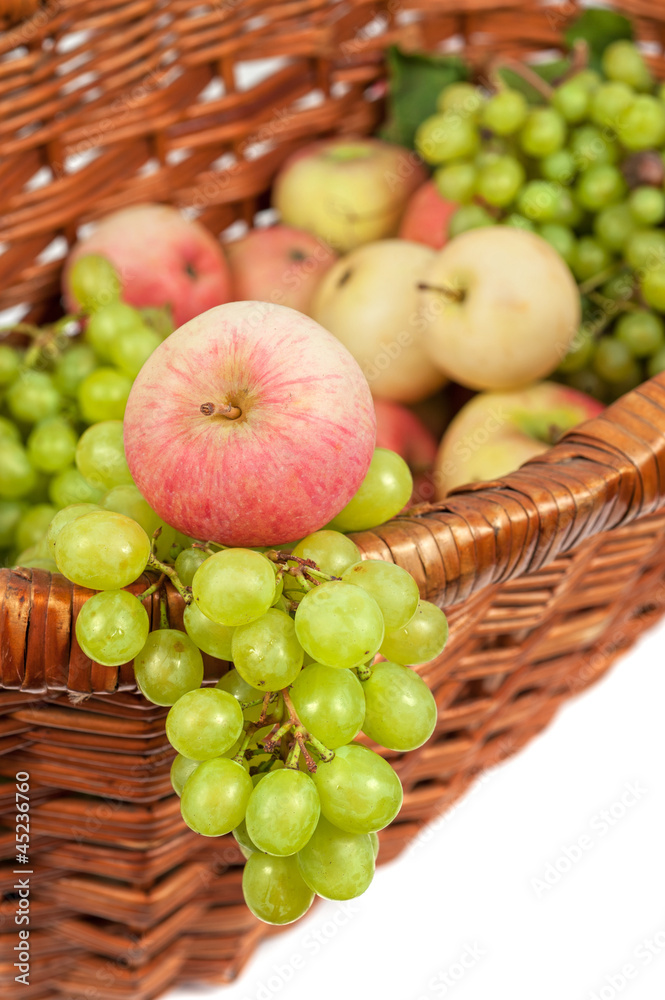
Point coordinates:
pixel 415 81
pixel 550 72
pixel 599 28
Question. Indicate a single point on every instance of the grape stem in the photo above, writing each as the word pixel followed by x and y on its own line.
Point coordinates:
pixel 204 547
pixel 163 611
pixel 152 589
pixel 303 570
pixel 364 672
pixel 168 571
pixel 525 72
pixel 599 279
pixel 579 61
pixel 301 738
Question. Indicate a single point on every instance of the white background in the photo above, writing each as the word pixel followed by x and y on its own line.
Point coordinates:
pixel 466 910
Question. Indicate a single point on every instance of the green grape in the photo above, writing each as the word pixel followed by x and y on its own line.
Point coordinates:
pixel 215 796
pixel 181 769
pixel 561 238
pixel 457 182
pixel 204 724
pixel 168 666
pixel 642 124
pixel 446 136
pixel 517 221
pixel 572 100
pixel 462 98
pixel 332 551
pixel 543 133
pixel 132 348
pixel 590 146
pixel 210 637
pixel 612 360
pixel 622 61
pixel 505 112
pixel 112 627
pixel 540 201
pixel 77 362
pixel 266 652
pixel 159 319
pixel 9 431
pixel 63 517
pixel 102 550
pixel 69 487
pixel 608 103
pixel 103 395
pixel 579 353
pixel 93 282
pixel 282 812
pixel 421 640
pixel 620 287
pixel 589 258
pixel 52 445
pixel 186 564
pixel 656 364
pixel 652 286
pixel 274 889
pixel 330 704
pixel 17 475
pixel 234 586
pixel 10 365
pixel 400 711
pixel 499 182
pixel 10 515
pixel 38 562
pixel 599 186
pixel 393 589
pixel 339 624
pixel 647 205
pixel 374 841
pixel 383 493
pixel 240 834
pixel 614 226
pixel 33 397
pixel 469 217
pixel 100 455
pixel 336 864
pixel 590 78
pixel 128 500
pixel 559 167
pixel 359 791
pixel 646 248
pixel 33 525
pixel 642 332
pixel 107 324
pixel 245 693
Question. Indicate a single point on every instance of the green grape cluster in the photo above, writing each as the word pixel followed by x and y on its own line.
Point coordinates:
pixel 584 169
pixel 62 399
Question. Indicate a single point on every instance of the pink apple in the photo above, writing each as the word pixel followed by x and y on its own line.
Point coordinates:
pixel 250 425
pixel 162 259
pixel 400 430
pixel 347 190
pixel 495 432
pixel 427 216
pixel 278 264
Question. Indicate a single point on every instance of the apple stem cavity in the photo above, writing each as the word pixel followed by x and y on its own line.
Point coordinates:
pixel 227 410
pixel 451 294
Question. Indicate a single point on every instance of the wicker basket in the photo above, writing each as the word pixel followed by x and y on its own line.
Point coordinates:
pixel 547 574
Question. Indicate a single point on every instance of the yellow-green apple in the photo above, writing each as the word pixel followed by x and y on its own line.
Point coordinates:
pixel 499 308
pixel 369 300
pixel 400 430
pixel 162 259
pixel 278 264
pixel 495 432
pixel 347 191
pixel 426 217
pixel 250 425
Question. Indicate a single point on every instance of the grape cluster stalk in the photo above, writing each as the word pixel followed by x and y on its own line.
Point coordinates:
pixel 585 169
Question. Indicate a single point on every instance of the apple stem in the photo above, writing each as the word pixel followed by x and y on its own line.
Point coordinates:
pixel 452 294
pixel 223 410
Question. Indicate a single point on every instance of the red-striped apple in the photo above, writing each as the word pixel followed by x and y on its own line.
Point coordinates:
pixel 426 217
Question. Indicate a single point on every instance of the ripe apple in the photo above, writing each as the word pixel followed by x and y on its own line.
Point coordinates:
pixel 278 264
pixel 495 432
pixel 250 425
pixel 400 430
pixel 348 191
pixel 426 217
pixel 499 308
pixel 369 300
pixel 162 258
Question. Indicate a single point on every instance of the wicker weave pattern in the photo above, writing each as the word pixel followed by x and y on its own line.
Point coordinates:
pixel 547 575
